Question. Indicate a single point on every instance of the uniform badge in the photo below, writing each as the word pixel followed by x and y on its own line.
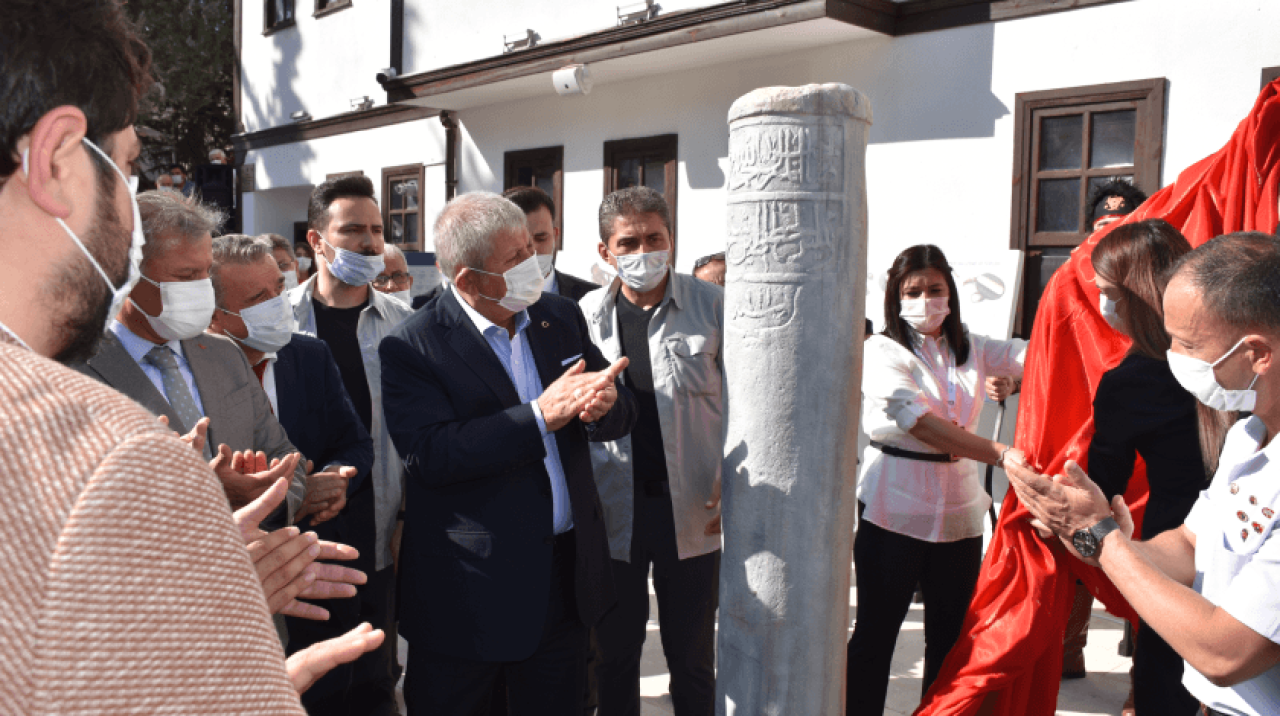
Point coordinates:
pixel 1257 528
pixel 1268 512
pixel 1253 500
pixel 1243 517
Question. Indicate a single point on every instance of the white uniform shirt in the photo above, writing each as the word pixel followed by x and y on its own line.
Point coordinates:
pixel 930 501
pixel 1238 559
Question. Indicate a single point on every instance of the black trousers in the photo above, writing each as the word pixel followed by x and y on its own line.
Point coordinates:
pixel 373 681
pixel 548 683
pixel 888 566
pixel 688 593
pixel 1157 678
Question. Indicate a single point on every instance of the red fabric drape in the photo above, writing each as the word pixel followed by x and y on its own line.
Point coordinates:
pixel 1012 637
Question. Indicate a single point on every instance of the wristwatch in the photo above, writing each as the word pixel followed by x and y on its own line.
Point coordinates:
pixel 1089 542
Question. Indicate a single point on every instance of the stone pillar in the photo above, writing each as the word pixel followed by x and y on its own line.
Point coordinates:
pixel 794 303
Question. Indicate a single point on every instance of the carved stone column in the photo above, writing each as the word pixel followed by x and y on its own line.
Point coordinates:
pixel 794 301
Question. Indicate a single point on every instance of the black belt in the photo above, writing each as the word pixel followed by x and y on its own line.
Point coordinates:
pixel 911 454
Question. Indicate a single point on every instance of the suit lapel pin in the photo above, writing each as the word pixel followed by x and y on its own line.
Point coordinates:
pixel 546 325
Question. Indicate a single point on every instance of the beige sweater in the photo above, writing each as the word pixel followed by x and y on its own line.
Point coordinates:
pixel 124 584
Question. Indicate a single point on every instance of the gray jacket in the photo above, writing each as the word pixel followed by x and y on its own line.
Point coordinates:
pixel 238 410
pixel 685 348
pixel 382 314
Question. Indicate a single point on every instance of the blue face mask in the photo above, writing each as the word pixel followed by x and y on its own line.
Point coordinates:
pixel 352 268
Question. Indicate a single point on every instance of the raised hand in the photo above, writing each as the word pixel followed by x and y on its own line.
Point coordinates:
pixel 579 394
pixel 196 437
pixel 309 664
pixel 284 560
pixel 713 505
pixel 245 476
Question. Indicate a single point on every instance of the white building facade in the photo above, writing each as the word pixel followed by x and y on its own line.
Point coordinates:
pixel 992 119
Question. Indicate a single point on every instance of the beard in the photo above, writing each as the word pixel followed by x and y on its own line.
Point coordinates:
pixel 78 295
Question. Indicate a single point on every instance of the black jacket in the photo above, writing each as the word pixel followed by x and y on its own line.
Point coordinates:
pixel 476 552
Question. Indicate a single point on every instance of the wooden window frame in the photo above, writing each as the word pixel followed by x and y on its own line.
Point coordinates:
pixel 332 8
pixel 268 29
pixel 554 156
pixel 615 150
pixel 343 175
pixel 1146 96
pixel 400 172
pixel 1269 75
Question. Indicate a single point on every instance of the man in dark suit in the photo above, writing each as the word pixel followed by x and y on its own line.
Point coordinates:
pixel 540 214
pixel 505 561
pixel 158 354
pixel 308 397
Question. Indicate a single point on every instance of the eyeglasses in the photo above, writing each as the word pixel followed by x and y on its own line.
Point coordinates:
pixel 399 278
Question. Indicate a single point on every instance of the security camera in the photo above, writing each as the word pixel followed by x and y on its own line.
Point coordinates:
pixel 386 74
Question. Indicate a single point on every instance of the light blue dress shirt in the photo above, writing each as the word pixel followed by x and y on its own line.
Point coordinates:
pixel 138 347
pixel 516 358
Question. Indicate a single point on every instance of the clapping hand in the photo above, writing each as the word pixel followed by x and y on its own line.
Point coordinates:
pixel 326 493
pixel 285 560
pixel 246 475
pixel 196 437
pixel 309 664
pixel 576 393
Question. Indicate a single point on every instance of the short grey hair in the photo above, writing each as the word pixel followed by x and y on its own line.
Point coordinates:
pixel 278 242
pixel 391 251
pixel 237 250
pixel 170 217
pixel 632 201
pixel 465 229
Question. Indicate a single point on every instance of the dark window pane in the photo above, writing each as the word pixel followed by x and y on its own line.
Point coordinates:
pixel 655 175
pixel 397 229
pixel 1058 205
pixel 547 184
pixel 397 195
pixel 1061 142
pixel 411 229
pixel 524 176
pixel 1113 138
pixel 629 173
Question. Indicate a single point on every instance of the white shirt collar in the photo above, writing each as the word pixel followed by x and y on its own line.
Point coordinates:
pixel 483 324
pixel 137 347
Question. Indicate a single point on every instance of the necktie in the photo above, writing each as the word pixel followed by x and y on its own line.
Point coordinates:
pixel 176 390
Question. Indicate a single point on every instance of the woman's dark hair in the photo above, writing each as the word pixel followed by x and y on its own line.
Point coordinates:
pixel 1136 258
pixel 919 258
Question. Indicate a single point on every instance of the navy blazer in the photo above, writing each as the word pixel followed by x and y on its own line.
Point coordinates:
pixel 316 411
pixel 476 553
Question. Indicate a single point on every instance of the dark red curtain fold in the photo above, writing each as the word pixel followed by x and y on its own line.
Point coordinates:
pixel 1012 638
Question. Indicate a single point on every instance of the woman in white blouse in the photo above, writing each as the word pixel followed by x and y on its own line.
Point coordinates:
pixel 921 502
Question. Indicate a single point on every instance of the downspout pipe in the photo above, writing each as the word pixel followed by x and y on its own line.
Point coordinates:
pixel 450 123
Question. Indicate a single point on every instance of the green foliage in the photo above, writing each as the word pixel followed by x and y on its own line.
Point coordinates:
pixel 193 57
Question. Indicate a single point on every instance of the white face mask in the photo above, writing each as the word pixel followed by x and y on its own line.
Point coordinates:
pixel 1108 309
pixel 270 324
pixel 643 272
pixel 546 263
pixel 1196 376
pixel 290 280
pixel 406 296
pixel 352 268
pixel 118 293
pixel 304 263
pixel 178 182
pixel 925 314
pixel 186 308
pixel 524 285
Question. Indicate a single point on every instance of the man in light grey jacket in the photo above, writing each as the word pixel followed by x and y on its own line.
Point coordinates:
pixel 661 485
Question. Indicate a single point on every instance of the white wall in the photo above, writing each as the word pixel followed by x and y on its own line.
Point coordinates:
pixel 285 172
pixel 442 34
pixel 318 65
pixel 941 154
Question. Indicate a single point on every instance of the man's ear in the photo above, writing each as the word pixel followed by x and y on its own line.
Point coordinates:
pixel 603 250
pixel 54 155
pixel 314 241
pixel 1263 349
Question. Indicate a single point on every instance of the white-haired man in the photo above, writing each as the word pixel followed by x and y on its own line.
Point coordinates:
pixel 504 560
